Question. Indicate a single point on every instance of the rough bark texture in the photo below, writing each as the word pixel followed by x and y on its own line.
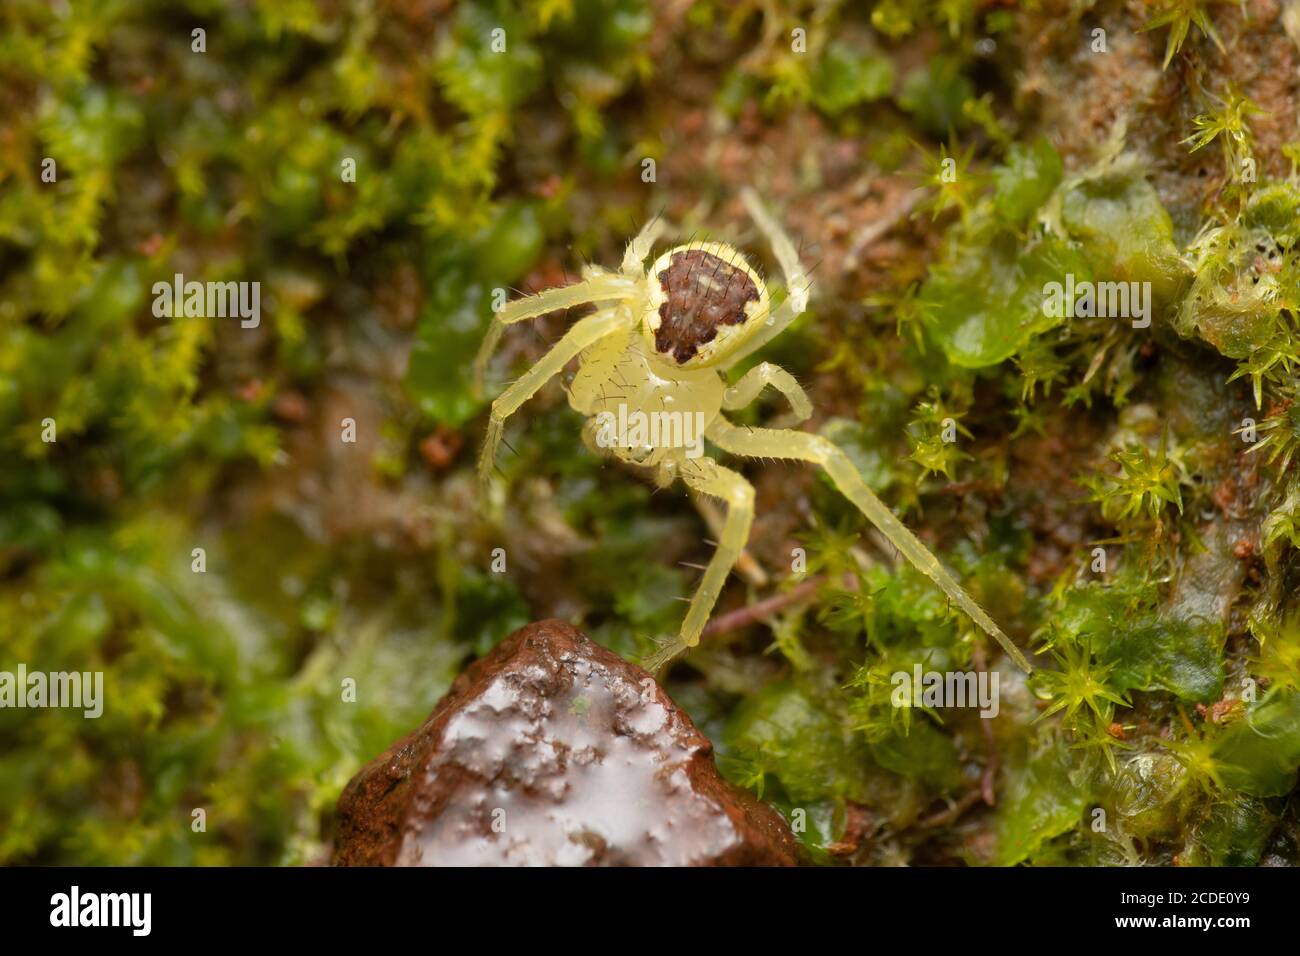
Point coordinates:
pixel 554 751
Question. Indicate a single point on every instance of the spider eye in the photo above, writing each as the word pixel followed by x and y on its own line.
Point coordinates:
pixel 702 294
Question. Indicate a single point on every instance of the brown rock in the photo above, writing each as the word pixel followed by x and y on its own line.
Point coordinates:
pixel 576 756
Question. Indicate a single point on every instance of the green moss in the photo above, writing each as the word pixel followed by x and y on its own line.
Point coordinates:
pixel 1126 234
pixel 479 79
pixel 935 93
pixel 786 734
pixel 1231 834
pixel 1142 644
pixel 984 303
pixel 1040 802
pixel 1147 796
pixel 846 77
pixel 925 754
pixel 1246 292
pixel 1259 754
pixel 1179 16
pixel 785 744
pixel 462 285
pixel 1025 182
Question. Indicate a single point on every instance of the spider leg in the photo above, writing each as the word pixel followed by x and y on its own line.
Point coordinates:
pixel 639 248
pixel 584 333
pixel 708 477
pixel 797 283
pixel 760 376
pixel 597 288
pixel 802 446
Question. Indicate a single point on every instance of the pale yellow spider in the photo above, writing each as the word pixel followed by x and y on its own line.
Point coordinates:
pixel 650 381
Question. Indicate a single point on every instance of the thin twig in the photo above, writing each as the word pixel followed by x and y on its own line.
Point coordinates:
pixel 892 216
pixel 944 817
pixel 761 610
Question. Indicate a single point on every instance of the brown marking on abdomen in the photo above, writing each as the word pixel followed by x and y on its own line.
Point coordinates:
pixel 704 293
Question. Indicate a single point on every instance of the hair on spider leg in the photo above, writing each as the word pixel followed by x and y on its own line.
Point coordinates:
pixel 586 263
pixel 512 381
pixel 568 279
pixel 636 230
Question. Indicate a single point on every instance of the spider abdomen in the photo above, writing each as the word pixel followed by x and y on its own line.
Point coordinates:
pixel 703 293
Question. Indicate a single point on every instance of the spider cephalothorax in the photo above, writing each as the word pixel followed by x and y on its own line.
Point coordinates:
pixel 650 381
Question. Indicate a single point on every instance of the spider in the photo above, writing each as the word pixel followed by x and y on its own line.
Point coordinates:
pixel 650 381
